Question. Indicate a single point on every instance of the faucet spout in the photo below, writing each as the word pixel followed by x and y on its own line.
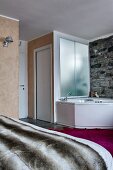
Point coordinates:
pixel 68 94
pixel 66 97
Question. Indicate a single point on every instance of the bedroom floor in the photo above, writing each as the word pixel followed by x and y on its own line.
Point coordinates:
pixel 44 124
pixel 104 137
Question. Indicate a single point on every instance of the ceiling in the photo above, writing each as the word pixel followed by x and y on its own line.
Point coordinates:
pixel 82 18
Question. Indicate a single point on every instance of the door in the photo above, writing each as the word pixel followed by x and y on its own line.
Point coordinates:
pixel 23 99
pixel 43 83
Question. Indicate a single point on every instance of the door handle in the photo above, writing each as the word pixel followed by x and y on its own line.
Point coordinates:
pixel 22 85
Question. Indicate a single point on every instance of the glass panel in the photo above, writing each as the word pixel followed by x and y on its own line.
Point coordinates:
pixel 74 68
pixel 81 70
pixel 67 77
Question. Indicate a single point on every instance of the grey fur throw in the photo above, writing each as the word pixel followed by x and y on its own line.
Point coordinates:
pixel 23 147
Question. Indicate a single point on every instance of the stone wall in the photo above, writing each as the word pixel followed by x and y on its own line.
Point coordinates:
pixel 101 66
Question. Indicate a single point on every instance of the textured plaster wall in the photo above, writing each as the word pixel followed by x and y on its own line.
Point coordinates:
pixel 9 64
pixel 101 66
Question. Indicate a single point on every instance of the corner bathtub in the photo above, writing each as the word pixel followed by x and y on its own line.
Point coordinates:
pixel 85 112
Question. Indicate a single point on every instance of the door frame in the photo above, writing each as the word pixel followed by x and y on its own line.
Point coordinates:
pixel 35 68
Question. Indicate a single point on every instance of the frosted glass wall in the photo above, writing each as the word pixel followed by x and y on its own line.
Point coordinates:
pixel 67 78
pixel 74 68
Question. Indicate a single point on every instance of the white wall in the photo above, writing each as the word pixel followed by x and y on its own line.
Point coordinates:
pixel 23 80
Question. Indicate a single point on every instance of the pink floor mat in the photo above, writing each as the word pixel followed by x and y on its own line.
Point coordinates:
pixel 100 136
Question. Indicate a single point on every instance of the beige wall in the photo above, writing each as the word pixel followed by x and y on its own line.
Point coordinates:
pixel 9 73
pixel 32 45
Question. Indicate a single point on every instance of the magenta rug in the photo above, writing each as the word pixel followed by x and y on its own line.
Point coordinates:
pixel 100 136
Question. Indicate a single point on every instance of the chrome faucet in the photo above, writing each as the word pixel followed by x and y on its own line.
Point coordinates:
pixel 68 94
pixel 65 98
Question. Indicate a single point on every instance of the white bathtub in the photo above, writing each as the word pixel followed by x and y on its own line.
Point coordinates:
pixel 85 112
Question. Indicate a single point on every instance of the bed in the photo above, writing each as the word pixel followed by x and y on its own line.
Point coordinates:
pixel 28 147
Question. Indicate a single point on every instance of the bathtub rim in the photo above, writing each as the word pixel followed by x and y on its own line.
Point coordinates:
pixel 87 100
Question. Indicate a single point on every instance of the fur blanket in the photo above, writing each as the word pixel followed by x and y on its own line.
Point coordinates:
pixel 23 147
